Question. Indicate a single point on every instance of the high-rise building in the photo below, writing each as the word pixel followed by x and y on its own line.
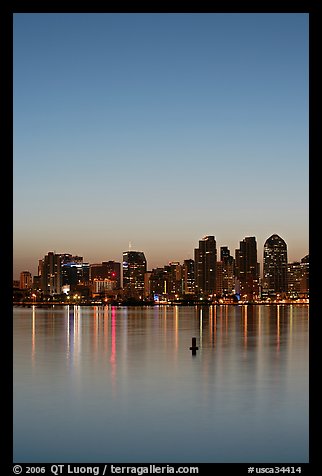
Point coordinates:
pixel 25 280
pixel 50 272
pixel 56 270
pixel 157 283
pixel 74 273
pixel 305 283
pixel 147 285
pixel 228 265
pixel 275 267
pixel 247 268
pixel 173 279
pixel 219 278
pixel 189 276
pixel 107 270
pixel 134 268
pixel 298 278
pixel 205 266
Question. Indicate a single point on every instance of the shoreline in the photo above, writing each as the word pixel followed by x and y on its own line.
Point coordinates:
pixel 92 304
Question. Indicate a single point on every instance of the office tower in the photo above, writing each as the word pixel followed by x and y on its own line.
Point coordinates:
pixel 106 270
pixel 228 277
pixel 36 283
pixel 173 280
pixel 134 268
pixel 74 273
pixel 189 276
pixel 305 283
pixel 205 267
pixel 247 268
pixel 50 272
pixel 275 266
pixel 219 278
pixel 157 283
pixel 298 278
pixel 25 280
pixel 147 287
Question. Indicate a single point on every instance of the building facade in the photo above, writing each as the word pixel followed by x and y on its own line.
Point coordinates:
pixel 134 268
pixel 275 267
pixel 228 270
pixel 25 280
pixel 106 270
pixel 50 272
pixel 205 267
pixel 298 278
pixel 247 268
pixel 189 276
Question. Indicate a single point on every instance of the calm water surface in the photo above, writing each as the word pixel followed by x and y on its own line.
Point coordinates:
pixel 110 384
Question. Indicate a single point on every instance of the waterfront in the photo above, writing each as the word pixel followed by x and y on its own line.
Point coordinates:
pixel 119 384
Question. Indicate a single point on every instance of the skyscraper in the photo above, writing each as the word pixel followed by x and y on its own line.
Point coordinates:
pixel 205 266
pixel 189 276
pixel 25 280
pixel 247 268
pixel 50 272
pixel 134 268
pixel 228 264
pixel 275 266
pixel 298 278
pixel 107 270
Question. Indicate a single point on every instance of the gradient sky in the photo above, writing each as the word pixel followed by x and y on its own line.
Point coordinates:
pixel 158 129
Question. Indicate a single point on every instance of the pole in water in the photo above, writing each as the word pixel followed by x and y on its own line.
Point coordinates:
pixel 194 347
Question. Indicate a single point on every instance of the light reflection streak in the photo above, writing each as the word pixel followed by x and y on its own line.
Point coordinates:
pixel 71 333
pixel 291 321
pixel 226 320
pixel 278 329
pixel 33 338
pixel 200 328
pixel 211 324
pixel 95 330
pixel 214 326
pixel 77 343
pixel 68 337
pixel 245 310
pixel 113 345
pixel 176 317
pixel 259 336
pixel 221 325
pixel 105 329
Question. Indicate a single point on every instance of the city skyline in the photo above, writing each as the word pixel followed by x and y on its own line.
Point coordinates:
pixel 158 129
pixel 261 251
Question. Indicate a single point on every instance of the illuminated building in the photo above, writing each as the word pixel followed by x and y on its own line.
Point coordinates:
pixel 205 267
pixel 106 270
pixel 101 286
pixel 189 276
pixel 247 268
pixel 298 278
pixel 134 268
pixel 219 278
pixel 25 280
pixel 228 265
pixel 147 287
pixel 157 282
pixel 305 285
pixel 56 270
pixel 50 272
pixel 275 267
pixel 173 279
pixel 74 273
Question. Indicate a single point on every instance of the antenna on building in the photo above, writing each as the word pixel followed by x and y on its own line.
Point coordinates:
pixel 130 245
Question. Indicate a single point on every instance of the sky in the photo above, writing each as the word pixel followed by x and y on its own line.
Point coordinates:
pixel 158 129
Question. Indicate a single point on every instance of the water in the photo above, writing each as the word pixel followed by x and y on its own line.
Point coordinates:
pixel 109 384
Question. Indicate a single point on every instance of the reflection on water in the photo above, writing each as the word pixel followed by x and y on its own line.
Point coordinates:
pixel 101 384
